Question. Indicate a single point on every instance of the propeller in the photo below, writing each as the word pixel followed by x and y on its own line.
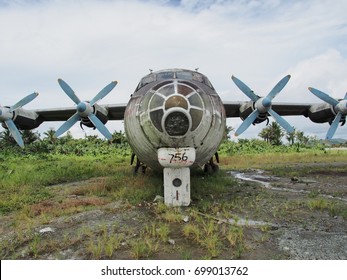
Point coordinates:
pixel 340 107
pixel 262 105
pixel 7 114
pixel 85 109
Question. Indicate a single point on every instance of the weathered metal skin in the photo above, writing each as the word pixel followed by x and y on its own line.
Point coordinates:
pixel 25 119
pixel 176 108
pixel 100 112
pixel 318 113
pixel 321 113
pixel 28 119
pixel 247 108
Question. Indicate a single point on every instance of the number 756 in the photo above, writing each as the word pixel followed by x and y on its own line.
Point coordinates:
pixel 178 157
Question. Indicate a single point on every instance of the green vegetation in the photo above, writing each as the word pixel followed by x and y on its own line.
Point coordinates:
pixel 111 213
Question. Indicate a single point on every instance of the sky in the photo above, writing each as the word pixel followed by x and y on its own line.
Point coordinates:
pixel 90 43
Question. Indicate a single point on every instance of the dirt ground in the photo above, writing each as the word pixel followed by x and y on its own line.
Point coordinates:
pixel 285 217
pixel 316 232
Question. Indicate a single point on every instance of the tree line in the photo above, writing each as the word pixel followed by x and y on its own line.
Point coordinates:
pixel 272 134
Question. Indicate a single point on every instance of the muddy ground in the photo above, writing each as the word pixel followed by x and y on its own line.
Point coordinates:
pixel 277 217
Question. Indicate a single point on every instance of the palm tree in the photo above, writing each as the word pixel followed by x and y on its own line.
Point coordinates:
pixel 50 135
pixel 29 136
pixel 228 129
pixel 265 134
pixel 272 134
pixel 291 138
pixel 302 139
pixel 6 138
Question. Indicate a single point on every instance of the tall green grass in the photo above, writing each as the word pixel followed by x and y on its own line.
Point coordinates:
pixel 24 180
pixel 25 174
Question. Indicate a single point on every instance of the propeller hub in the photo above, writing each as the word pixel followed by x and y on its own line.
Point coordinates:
pixel 266 102
pixel 85 109
pixel 263 105
pixel 5 114
pixel 342 107
pixel 81 107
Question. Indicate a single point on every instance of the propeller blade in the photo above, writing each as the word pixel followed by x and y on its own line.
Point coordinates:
pixel 333 127
pixel 68 90
pixel 282 122
pixel 15 132
pixel 247 122
pixel 106 90
pixel 324 96
pixel 245 89
pixel 67 125
pixel 278 87
pixel 24 101
pixel 100 126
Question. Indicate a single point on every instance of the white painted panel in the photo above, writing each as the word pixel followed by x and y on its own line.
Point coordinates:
pixel 177 186
pixel 176 157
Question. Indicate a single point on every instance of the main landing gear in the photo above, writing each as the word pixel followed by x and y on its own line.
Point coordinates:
pixel 138 165
pixel 210 167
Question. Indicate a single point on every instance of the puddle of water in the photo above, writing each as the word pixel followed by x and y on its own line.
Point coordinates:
pixel 250 223
pixel 264 182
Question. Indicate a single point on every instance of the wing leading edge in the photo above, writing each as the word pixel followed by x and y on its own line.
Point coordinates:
pixel 115 112
pixel 232 109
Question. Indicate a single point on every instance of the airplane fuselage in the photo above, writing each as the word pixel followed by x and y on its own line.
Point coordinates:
pixel 174 108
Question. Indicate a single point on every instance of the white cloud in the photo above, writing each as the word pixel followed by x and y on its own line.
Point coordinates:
pixel 89 43
pixel 326 72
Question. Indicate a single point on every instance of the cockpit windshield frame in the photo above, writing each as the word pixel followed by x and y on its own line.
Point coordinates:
pixel 174 74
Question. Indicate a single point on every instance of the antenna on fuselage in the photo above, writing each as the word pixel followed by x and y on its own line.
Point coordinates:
pixel 197 69
pixel 151 70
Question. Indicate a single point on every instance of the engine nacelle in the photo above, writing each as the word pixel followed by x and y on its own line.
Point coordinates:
pixel 101 114
pixel 247 108
pixel 321 113
pixel 25 119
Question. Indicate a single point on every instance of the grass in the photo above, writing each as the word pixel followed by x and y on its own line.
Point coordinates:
pixel 27 182
pixel 332 207
pixel 272 161
pixel 213 237
pixel 29 201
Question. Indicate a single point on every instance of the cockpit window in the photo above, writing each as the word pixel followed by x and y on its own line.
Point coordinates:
pixel 146 80
pixel 165 75
pixel 184 75
pixel 156 102
pixel 195 76
pixel 184 90
pixel 180 95
pixel 167 90
pixel 195 100
pixel 180 75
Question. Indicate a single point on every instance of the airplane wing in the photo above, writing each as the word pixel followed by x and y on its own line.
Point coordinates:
pixel 291 109
pixel 58 114
pixel 232 109
pixel 115 112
